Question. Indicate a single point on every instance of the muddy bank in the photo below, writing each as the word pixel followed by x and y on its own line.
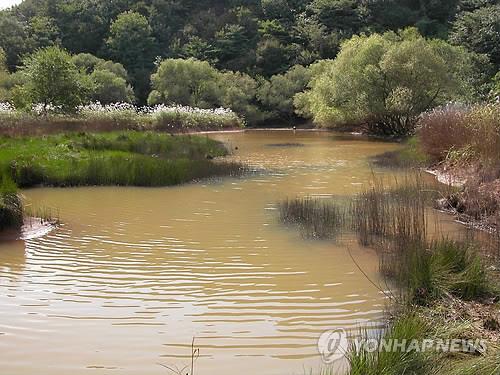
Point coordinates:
pixel 474 195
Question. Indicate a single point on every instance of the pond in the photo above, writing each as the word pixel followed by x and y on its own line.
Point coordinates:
pixel 133 274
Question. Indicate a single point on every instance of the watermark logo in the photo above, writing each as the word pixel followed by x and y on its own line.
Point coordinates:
pixel 333 345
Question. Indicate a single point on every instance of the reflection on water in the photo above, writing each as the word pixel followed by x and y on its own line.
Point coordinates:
pixel 133 274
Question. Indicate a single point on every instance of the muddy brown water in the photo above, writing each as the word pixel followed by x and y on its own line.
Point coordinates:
pixel 133 274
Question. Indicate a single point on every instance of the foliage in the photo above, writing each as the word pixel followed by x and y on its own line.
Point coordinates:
pixel 131 43
pixel 495 91
pixel 52 80
pixel 277 94
pixel 196 83
pixel 13 39
pixel 238 92
pixel 479 31
pixel 255 37
pixel 385 81
pixel 186 82
pixel 110 88
pixel 11 208
pixel 109 79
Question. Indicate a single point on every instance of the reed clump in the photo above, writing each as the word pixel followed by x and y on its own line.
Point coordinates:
pixel 407 326
pixel 395 213
pixel 11 208
pixel 427 271
pixel 426 276
pixel 316 218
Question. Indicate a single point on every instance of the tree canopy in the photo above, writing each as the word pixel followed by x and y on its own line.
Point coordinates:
pixel 255 37
pixel 52 80
pixel 386 80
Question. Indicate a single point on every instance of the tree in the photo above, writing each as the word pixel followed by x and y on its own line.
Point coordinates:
pixel 88 63
pixel 109 79
pixel 277 94
pixel 276 9
pixel 273 57
pixel 337 14
pixel 13 39
pixel 238 92
pixel 110 88
pixel 131 43
pixel 4 78
pixel 43 32
pixel 52 80
pixel 479 31
pixel 385 81
pixel 187 82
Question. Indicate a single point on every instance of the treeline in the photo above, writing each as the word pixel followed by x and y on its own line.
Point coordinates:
pixel 256 37
pixel 269 59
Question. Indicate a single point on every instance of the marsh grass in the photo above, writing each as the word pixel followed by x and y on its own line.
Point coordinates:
pixel 118 117
pixel 408 326
pixel 118 158
pixel 425 272
pixel 316 218
pixel 396 213
pixel 41 215
pixel 11 208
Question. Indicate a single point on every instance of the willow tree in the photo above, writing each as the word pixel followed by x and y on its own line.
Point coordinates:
pixel 52 80
pixel 384 81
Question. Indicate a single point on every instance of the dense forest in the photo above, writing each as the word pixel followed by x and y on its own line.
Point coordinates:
pixel 264 46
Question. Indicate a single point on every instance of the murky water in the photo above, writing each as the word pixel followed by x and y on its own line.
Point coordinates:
pixel 133 274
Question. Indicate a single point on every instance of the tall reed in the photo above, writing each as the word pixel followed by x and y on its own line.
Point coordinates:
pixel 397 213
pixel 316 218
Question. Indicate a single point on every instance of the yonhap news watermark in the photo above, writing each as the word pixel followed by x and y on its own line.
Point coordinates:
pixel 335 344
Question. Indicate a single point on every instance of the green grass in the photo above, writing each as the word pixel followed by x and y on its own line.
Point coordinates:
pixel 11 208
pixel 407 326
pixel 118 158
pixel 429 271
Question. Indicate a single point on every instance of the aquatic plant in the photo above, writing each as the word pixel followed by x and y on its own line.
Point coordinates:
pixel 316 218
pixel 11 208
pixel 395 213
pixel 427 271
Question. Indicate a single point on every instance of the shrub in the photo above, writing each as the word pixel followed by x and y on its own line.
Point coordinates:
pixel 466 133
pixel 443 129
